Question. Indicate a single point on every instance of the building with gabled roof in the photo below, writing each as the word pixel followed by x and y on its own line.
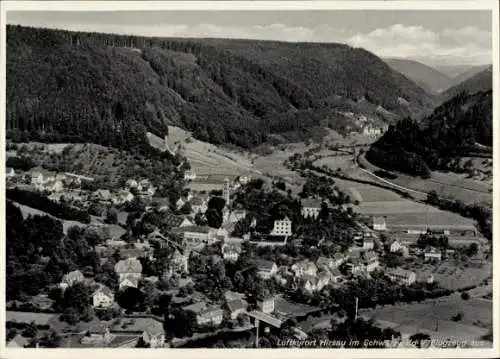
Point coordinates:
pixel 129 272
pixel 231 252
pixel 206 314
pixel 103 297
pixel 402 275
pixel 311 207
pixel 236 307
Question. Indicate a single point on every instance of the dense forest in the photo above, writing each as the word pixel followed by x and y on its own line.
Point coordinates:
pixel 41 202
pixel 111 89
pixel 37 256
pixel 460 126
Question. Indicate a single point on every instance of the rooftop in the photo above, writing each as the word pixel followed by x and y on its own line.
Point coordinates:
pixel 196 307
pixel 193 229
pixel 311 203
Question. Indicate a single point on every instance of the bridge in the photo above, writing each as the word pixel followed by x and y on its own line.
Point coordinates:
pixel 266 318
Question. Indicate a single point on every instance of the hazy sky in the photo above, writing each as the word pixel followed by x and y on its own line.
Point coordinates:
pixel 441 37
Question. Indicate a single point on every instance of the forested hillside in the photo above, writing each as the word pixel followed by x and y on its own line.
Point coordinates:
pixel 458 127
pixel 482 81
pixel 111 89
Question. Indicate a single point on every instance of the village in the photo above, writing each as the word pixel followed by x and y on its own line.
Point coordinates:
pixel 222 270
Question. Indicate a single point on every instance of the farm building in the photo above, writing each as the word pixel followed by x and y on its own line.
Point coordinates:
pixel 402 275
pixel 379 224
pixel 432 254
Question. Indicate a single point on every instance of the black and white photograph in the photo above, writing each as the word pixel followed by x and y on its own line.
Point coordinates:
pixel 249 178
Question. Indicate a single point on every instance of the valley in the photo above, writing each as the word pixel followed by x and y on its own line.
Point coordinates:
pixel 235 193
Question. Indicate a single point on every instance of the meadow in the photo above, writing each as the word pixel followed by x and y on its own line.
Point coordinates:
pixel 429 316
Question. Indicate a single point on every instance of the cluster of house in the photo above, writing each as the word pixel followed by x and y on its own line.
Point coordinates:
pixel 48 181
pixel 104 335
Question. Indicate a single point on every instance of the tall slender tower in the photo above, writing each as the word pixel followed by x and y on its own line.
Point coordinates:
pixel 226 190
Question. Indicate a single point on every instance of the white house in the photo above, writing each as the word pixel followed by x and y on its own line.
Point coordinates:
pixel 129 272
pixel 189 175
pixel 371 261
pixel 356 266
pixel 206 315
pixel 266 304
pixel 231 252
pixel 402 275
pixel 103 297
pixel 311 208
pixel 282 227
pixel 432 254
pixel 368 244
pixel 195 234
pixel 379 224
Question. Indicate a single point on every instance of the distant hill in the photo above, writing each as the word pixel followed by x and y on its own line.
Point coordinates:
pixel 109 89
pixel 459 73
pixel 428 78
pixel 457 128
pixel 482 81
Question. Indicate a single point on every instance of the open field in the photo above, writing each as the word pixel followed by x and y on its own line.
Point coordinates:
pixel 334 162
pixel 429 218
pixel 204 158
pixel 424 317
pixel 449 185
pixel 371 194
pixel 272 165
pixel 453 275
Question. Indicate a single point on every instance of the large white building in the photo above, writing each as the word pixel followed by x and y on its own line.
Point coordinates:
pixel 282 227
pixel 402 275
